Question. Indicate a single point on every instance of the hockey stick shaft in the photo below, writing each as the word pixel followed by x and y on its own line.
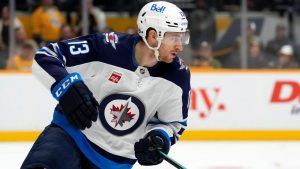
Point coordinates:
pixel 171 161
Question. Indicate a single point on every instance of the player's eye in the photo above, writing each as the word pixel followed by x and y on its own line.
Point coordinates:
pixel 177 38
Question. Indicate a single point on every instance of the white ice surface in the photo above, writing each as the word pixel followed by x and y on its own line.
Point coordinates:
pixel 197 155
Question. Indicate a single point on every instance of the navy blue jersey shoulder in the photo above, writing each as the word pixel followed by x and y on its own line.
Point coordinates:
pixel 177 72
pixel 108 47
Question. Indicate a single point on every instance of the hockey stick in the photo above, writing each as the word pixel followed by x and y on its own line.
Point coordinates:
pixel 171 161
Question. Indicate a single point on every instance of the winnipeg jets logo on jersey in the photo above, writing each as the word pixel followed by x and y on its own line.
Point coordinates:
pixel 121 114
pixel 111 38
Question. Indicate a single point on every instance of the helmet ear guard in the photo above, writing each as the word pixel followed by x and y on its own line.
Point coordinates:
pixel 162 17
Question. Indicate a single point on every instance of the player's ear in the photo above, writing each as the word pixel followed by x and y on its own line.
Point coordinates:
pixel 152 33
pixel 152 37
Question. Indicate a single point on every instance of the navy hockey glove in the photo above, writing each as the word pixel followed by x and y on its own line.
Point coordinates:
pixel 146 149
pixel 77 101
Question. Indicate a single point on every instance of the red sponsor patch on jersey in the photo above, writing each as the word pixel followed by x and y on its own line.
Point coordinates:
pixel 115 77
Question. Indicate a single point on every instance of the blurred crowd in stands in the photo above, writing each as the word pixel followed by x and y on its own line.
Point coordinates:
pixel 52 21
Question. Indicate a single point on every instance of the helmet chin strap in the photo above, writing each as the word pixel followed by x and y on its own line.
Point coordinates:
pixel 155 49
pixel 156 54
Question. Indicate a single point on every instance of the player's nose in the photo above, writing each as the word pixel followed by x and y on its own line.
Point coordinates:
pixel 179 47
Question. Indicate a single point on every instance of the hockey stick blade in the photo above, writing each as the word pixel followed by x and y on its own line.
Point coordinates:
pixel 171 161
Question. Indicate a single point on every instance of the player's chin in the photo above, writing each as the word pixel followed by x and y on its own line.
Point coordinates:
pixel 171 58
pixel 168 60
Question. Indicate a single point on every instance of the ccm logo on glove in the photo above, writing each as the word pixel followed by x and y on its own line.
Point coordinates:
pixel 64 85
pixel 76 101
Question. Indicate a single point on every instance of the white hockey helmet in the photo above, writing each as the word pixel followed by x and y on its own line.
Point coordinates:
pixel 163 17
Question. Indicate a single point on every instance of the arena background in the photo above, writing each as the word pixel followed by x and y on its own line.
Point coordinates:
pixel 240 116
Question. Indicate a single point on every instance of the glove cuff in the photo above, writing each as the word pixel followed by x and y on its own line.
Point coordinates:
pixel 60 89
pixel 164 135
pixel 160 132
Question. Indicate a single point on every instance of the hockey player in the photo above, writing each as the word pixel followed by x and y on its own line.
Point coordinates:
pixel 121 98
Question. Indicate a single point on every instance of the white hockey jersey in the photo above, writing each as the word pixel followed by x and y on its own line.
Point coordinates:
pixel 133 99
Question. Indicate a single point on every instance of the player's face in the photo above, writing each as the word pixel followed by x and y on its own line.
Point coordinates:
pixel 171 45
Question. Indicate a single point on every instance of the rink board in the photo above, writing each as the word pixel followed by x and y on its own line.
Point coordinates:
pixel 224 105
pixel 189 135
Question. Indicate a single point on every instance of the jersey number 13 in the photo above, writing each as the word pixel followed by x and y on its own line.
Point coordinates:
pixel 80 47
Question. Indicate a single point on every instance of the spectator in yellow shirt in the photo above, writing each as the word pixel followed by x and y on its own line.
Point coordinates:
pixel 46 22
pixel 24 58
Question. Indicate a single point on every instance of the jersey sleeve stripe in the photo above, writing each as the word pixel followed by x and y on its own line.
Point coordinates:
pixel 50 52
pixel 42 53
pixel 184 123
pixel 156 122
pixel 173 140
pixel 165 123
pixel 58 51
pixel 181 131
